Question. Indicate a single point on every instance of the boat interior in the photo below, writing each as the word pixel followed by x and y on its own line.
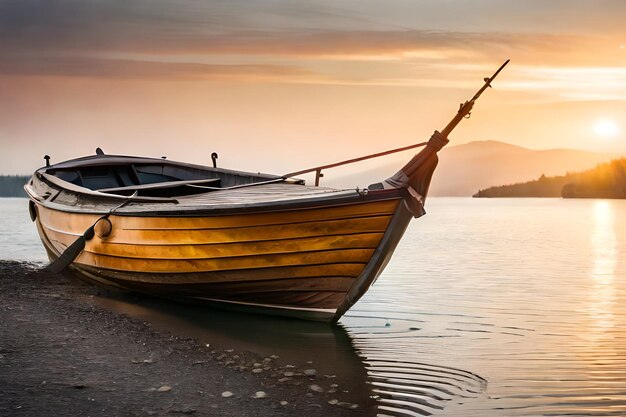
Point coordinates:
pixel 152 177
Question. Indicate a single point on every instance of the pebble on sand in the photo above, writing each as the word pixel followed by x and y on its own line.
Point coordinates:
pixel 284 402
pixel 227 394
pixel 310 372
pixel 260 394
pixel 316 388
pixel 164 388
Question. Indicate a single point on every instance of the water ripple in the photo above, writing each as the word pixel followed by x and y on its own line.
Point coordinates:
pixel 483 312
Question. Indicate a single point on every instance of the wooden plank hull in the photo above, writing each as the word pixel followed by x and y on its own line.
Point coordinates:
pixel 310 262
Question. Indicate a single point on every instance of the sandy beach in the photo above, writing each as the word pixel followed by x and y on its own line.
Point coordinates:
pixel 63 354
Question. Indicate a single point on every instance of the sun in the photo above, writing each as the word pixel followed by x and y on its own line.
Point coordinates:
pixel 605 128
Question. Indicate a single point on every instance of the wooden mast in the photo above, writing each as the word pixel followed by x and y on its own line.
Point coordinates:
pixel 436 142
pixel 417 173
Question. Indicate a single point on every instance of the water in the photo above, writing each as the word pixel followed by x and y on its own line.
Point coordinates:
pixel 18 235
pixel 527 294
pixel 513 307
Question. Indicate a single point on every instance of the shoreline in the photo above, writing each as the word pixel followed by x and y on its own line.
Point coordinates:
pixel 64 353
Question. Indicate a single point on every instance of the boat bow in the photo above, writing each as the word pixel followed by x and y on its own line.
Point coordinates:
pixel 416 175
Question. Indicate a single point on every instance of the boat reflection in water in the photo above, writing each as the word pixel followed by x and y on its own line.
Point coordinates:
pixel 303 344
pixel 361 353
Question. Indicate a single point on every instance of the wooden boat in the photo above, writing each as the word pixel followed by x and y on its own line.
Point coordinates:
pixel 258 242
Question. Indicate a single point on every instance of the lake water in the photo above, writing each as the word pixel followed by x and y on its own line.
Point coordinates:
pixel 507 307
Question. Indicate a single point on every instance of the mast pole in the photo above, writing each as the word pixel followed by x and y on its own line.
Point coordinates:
pixel 466 108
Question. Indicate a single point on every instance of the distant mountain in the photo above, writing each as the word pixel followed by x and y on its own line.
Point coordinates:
pixel 465 169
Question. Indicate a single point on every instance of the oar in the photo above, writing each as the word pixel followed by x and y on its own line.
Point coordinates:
pixel 72 251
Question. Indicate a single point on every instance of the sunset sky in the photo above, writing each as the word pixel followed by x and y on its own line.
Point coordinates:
pixel 277 86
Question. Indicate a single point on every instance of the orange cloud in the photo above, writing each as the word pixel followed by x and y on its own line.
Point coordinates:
pixel 85 66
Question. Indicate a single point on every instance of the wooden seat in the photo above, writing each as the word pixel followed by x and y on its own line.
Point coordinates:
pixel 164 187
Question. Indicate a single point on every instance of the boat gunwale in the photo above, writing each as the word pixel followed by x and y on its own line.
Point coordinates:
pixel 97 160
pixel 178 206
pixel 340 198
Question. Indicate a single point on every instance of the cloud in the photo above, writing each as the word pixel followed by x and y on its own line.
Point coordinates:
pixel 78 66
pixel 181 55
pixel 265 40
pixel 571 83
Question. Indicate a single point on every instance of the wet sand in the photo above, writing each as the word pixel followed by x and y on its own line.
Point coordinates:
pixel 63 353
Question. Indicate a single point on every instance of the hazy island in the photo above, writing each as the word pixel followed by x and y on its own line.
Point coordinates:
pixel 13 185
pixel 607 180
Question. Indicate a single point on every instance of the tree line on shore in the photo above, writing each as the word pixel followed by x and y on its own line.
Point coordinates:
pixel 607 180
pixel 13 185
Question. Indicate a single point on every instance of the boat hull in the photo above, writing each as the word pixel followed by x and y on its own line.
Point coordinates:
pixel 310 262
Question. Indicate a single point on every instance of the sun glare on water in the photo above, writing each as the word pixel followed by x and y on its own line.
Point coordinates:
pixel 606 128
